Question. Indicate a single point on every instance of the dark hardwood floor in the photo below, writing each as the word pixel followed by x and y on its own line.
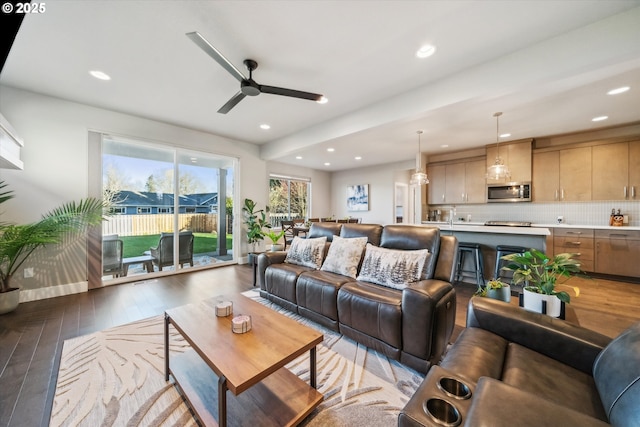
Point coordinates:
pixel 31 337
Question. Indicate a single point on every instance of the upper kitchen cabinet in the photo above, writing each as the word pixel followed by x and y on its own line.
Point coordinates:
pixel 517 156
pixel 457 183
pixel 616 171
pixel 562 175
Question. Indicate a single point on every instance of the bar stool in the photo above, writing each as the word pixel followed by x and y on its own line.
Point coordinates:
pixel 501 250
pixel 477 273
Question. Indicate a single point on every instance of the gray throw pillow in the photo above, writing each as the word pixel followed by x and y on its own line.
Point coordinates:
pixel 306 252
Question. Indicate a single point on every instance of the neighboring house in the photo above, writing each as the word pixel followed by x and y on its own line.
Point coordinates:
pixel 144 202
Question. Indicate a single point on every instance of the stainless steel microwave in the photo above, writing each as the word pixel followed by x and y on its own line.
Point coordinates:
pixel 509 192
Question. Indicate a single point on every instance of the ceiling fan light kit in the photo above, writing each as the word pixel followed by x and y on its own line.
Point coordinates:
pixel 248 86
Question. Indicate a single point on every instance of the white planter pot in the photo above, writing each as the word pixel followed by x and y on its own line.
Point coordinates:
pixel 277 247
pixel 533 302
pixel 9 301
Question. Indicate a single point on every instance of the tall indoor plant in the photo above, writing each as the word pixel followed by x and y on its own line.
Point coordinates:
pixel 256 221
pixel 18 242
pixel 540 273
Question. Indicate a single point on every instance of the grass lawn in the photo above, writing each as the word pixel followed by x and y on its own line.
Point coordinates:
pixel 137 245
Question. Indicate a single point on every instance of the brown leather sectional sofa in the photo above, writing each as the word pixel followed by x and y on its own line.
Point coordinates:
pixel 412 325
pixel 511 367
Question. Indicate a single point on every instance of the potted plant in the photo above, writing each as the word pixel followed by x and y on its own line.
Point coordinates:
pixel 540 273
pixel 275 238
pixel 495 289
pixel 256 221
pixel 18 242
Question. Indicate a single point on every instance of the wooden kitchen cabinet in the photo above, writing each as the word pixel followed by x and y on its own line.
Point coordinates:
pixel 517 157
pixel 563 175
pixel 457 183
pixel 578 241
pixel 437 186
pixel 617 252
pixel 616 168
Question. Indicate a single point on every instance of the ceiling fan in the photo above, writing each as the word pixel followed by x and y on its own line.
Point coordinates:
pixel 248 86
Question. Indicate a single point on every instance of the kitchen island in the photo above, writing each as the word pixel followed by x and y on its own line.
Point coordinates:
pixel 491 236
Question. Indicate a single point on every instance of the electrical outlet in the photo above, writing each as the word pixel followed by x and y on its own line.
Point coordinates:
pixel 28 272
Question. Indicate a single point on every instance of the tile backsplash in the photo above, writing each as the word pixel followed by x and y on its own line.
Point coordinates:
pixel 577 213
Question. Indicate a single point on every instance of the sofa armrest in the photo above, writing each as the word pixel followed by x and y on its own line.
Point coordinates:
pixel 498 404
pixel 563 341
pixel 428 318
pixel 265 260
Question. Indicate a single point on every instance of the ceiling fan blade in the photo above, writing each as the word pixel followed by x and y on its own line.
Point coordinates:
pixel 290 92
pixel 216 55
pixel 231 103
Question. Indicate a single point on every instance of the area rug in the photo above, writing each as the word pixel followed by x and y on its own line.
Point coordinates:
pixel 116 378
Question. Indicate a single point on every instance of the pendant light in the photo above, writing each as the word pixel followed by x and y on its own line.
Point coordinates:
pixel 498 170
pixel 419 177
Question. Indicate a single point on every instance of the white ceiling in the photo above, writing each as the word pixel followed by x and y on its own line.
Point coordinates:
pixel 546 64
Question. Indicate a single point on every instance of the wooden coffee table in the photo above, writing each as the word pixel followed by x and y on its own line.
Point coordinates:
pixel 251 365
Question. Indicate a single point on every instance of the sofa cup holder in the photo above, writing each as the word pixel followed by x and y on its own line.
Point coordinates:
pixel 442 412
pixel 454 388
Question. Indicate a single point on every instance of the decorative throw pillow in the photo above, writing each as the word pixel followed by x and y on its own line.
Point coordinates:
pixel 392 267
pixel 306 252
pixel 344 255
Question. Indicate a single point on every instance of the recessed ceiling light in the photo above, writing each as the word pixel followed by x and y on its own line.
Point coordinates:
pixel 358 157
pixel 444 145
pixel 327 164
pixel 426 51
pixel 322 100
pixel 331 150
pixel 265 126
pixel 505 135
pixel 298 157
pixel 619 90
pixel 599 118
pixel 100 75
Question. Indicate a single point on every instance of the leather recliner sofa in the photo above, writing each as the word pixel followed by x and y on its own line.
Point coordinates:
pixel 511 367
pixel 412 325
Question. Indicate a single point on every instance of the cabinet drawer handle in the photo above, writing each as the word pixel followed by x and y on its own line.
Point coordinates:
pixel 633 191
pixel 625 192
pixel 618 235
pixel 574 232
pixel 575 243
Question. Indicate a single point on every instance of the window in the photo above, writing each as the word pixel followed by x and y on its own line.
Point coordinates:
pixel 168 204
pixel 117 210
pixel 288 198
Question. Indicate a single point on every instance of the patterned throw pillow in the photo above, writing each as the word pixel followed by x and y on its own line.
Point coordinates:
pixel 306 252
pixel 344 255
pixel 392 267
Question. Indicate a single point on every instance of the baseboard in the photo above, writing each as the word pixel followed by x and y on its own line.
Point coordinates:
pixel 53 291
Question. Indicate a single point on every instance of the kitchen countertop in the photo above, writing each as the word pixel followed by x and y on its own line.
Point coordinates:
pixel 479 227
pixel 535 229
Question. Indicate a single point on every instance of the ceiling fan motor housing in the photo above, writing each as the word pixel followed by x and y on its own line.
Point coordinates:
pixel 249 88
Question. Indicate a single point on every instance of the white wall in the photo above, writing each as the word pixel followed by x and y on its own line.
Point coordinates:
pixel 381 180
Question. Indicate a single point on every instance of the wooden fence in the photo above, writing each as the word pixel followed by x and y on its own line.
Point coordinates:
pixel 145 224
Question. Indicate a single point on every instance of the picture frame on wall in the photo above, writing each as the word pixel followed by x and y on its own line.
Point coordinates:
pixel 358 198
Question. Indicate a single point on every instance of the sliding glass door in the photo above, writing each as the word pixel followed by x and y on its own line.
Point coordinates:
pixel 170 208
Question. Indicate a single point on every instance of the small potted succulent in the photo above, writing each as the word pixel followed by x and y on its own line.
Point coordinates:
pixel 275 237
pixel 495 289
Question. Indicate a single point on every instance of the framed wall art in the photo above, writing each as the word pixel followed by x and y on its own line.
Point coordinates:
pixel 358 197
